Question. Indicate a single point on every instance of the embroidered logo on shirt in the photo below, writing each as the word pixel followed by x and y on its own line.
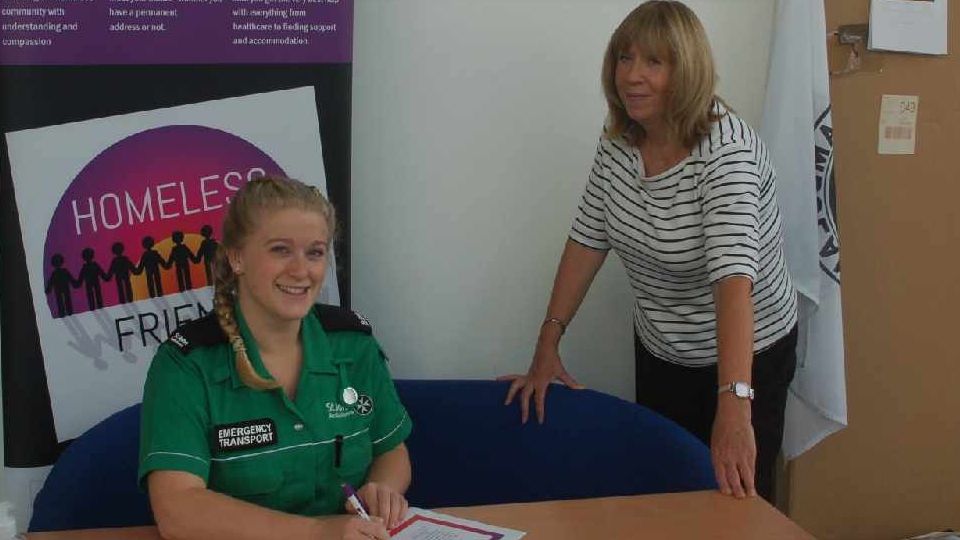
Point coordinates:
pixel 179 340
pixel 364 405
pixel 245 435
pixel 336 410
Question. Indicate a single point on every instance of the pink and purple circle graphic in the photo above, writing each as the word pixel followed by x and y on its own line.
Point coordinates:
pixel 142 218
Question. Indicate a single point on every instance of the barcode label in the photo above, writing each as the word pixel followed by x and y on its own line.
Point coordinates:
pixel 898 125
pixel 898 133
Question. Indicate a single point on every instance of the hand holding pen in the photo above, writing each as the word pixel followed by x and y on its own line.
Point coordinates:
pixel 355 501
pixel 381 500
pixel 360 526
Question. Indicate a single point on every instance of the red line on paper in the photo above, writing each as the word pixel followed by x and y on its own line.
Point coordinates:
pixel 414 519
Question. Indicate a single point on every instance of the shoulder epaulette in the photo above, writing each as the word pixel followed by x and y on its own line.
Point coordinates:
pixel 202 332
pixel 338 319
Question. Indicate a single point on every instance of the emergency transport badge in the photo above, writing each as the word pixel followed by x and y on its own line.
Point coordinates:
pixel 244 435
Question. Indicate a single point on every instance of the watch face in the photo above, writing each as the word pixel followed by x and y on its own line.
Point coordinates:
pixel 741 390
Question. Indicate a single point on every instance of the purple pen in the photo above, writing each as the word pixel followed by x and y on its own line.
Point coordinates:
pixel 354 500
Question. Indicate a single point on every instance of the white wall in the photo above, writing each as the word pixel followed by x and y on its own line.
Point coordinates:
pixel 474 126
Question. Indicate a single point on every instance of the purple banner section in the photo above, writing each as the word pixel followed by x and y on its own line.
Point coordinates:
pixel 85 32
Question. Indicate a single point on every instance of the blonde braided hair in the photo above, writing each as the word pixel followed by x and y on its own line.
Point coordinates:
pixel 264 194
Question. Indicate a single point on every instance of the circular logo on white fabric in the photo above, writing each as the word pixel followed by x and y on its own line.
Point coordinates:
pixel 826 196
pixel 364 405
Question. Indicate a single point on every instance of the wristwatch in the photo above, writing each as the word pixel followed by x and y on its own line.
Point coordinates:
pixel 738 388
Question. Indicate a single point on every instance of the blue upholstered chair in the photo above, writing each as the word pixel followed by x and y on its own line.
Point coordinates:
pixel 94 482
pixel 466 448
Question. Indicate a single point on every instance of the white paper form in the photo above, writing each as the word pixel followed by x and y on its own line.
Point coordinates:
pixel 914 26
pixel 420 524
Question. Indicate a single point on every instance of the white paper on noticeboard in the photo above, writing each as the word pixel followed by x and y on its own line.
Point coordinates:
pixel 913 26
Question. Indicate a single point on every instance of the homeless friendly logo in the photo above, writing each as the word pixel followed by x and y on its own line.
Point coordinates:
pixel 141 222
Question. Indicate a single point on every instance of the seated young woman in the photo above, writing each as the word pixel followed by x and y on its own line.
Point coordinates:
pixel 260 416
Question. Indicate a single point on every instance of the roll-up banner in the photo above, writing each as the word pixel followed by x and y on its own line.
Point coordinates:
pixel 127 125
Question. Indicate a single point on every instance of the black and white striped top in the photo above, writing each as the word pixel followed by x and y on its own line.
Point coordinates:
pixel 711 216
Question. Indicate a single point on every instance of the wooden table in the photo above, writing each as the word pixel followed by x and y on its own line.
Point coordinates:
pixel 701 514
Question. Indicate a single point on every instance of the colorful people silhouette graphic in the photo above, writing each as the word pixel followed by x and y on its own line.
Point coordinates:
pixel 120 269
pixel 150 262
pixel 180 257
pixel 59 282
pixel 90 276
pixel 206 252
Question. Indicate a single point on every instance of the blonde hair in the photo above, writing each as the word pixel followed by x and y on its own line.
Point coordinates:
pixel 264 194
pixel 670 28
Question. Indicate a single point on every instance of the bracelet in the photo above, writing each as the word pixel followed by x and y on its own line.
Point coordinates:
pixel 554 320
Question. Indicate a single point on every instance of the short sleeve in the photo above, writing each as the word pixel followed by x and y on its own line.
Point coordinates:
pixel 590 223
pixel 174 417
pixel 730 202
pixel 391 424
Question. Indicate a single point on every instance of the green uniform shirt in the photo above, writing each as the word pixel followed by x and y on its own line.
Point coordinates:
pixel 259 446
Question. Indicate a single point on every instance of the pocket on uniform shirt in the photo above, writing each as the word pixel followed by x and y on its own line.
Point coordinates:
pixel 357 456
pixel 250 480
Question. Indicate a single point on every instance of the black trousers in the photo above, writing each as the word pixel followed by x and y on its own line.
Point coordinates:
pixel 688 396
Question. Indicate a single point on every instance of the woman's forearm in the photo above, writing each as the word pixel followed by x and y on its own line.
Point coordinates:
pixel 187 510
pixel 734 310
pixel 578 266
pixel 392 469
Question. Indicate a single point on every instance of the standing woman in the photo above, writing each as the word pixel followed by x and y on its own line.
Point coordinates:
pixel 254 415
pixel 684 192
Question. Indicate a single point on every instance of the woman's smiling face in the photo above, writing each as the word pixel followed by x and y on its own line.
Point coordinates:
pixel 281 266
pixel 643 85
